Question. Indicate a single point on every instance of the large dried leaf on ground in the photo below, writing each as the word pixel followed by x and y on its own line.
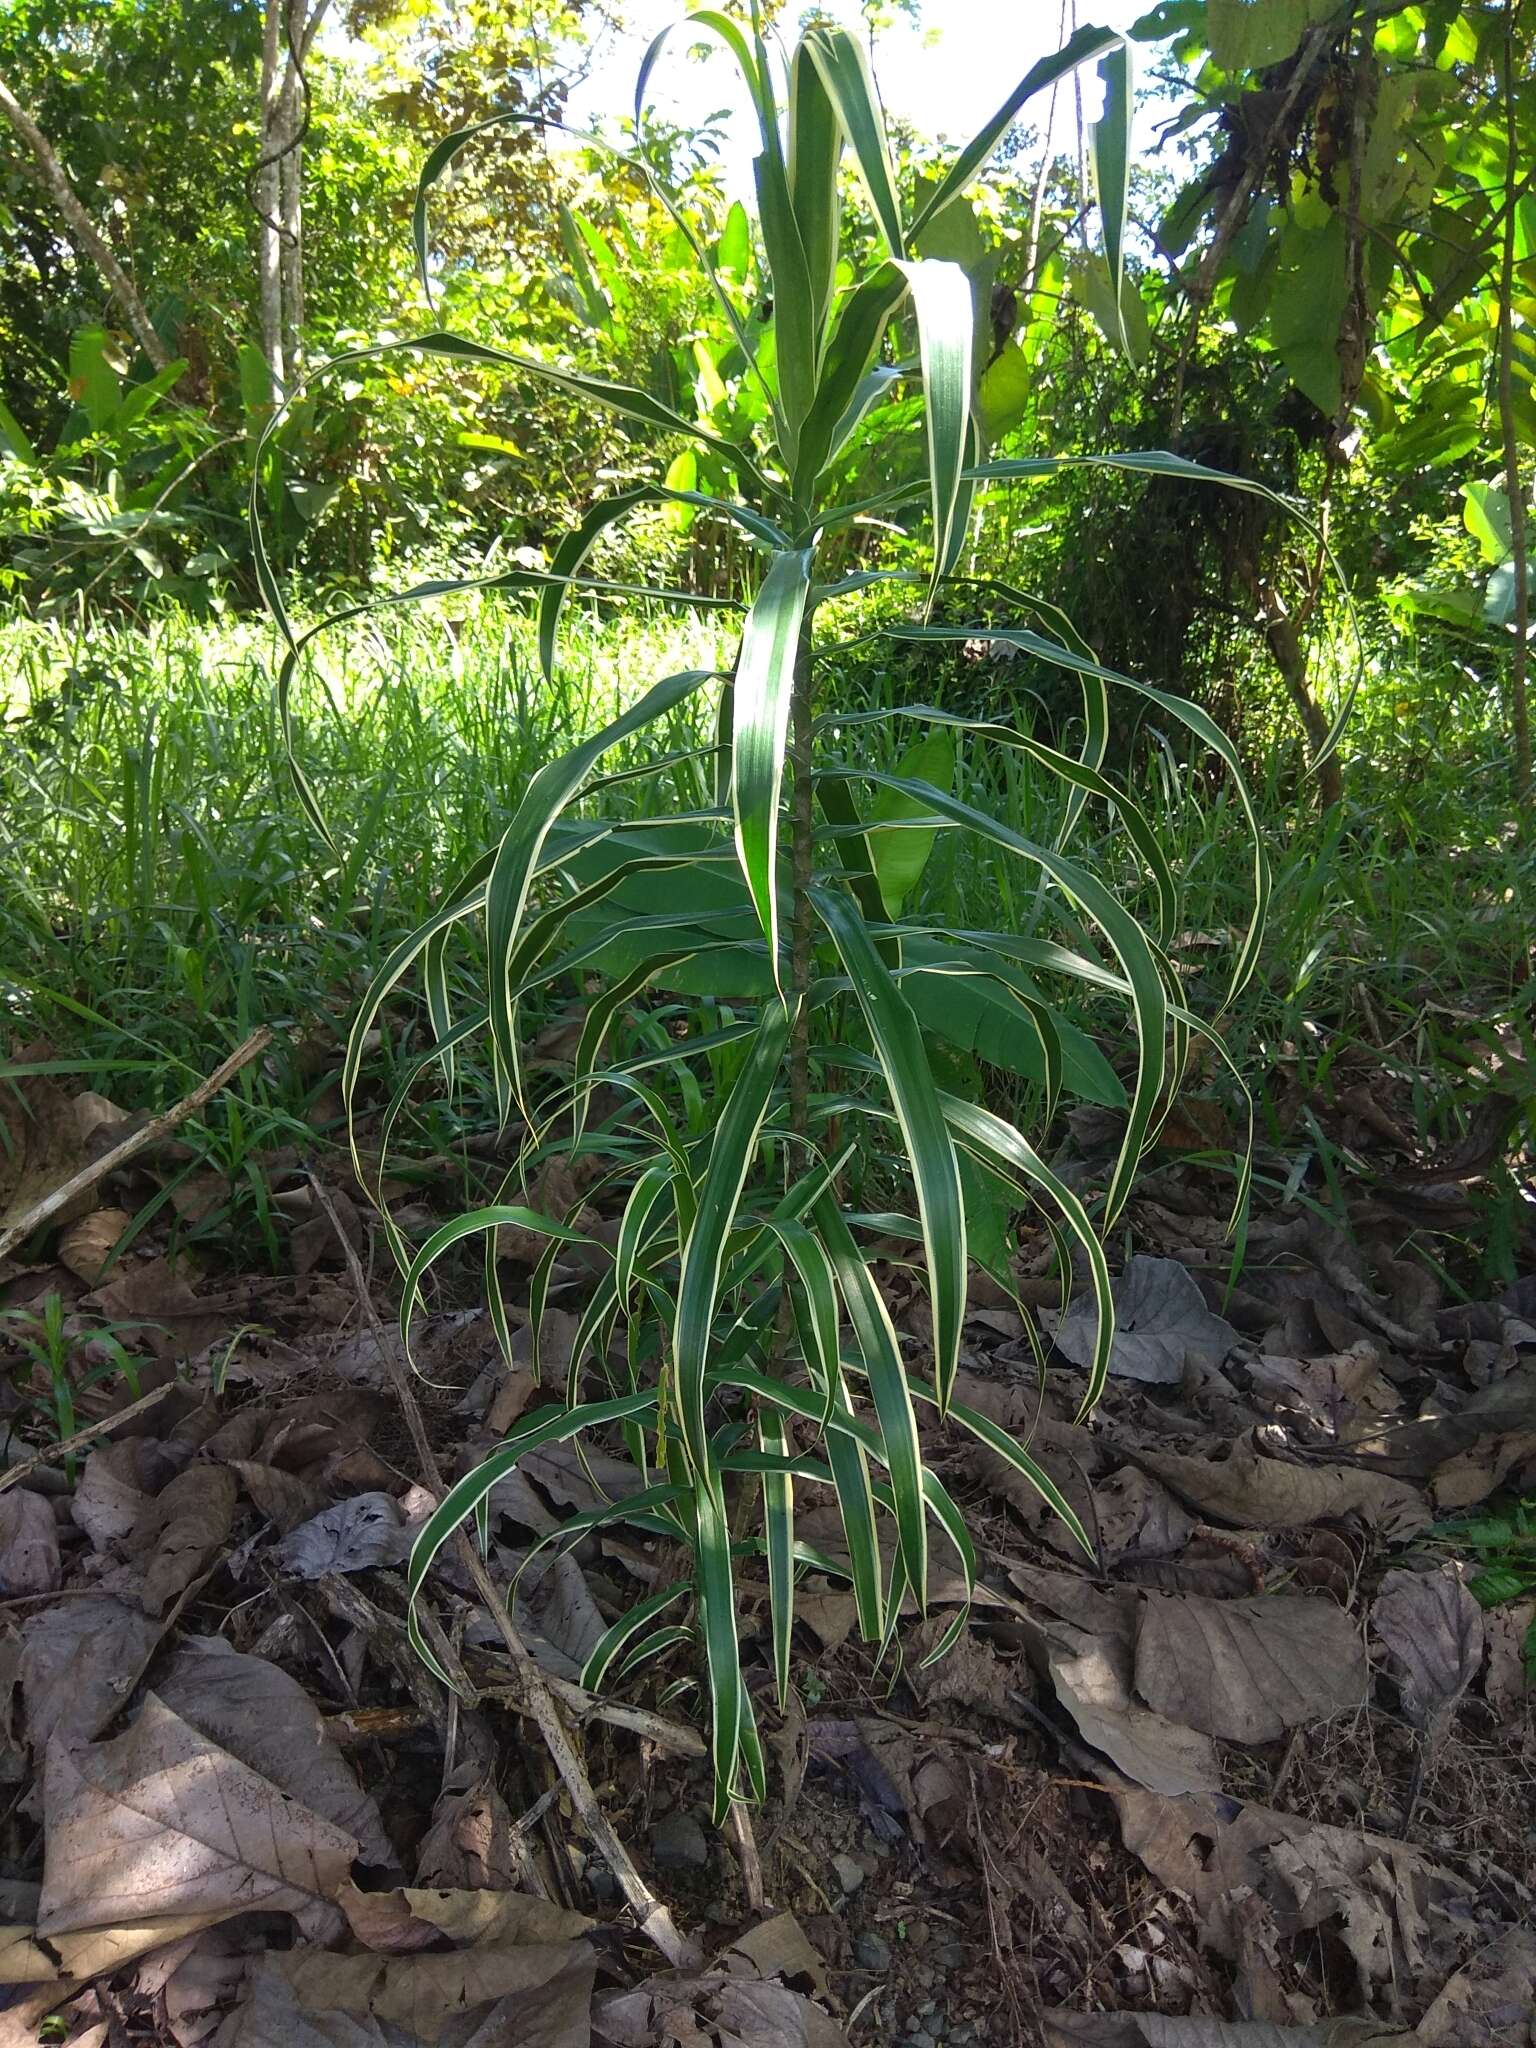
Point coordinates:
pixel 1156 2030
pixel 1433 1629
pixel 1161 1325
pixel 352 1536
pixel 283 1497
pixel 270 2016
pixel 557 1611
pixel 268 1722
pixel 186 1531
pixel 733 2012
pixel 1086 1641
pixel 417 1917
pixel 1506 1685
pixel 1250 1490
pixel 1490 2002
pixel 40 1148
pixel 163 1822
pixel 538 1995
pixel 80 1661
pixel 116 1492
pixel 29 1544
pixel 1505 1407
pixel 1246 1670
pixel 86 1952
pixel 1398 1915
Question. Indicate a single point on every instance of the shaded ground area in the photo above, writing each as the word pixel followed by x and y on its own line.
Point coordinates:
pixel 1267 1759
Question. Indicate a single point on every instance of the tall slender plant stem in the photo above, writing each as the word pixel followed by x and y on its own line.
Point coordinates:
pixel 1514 488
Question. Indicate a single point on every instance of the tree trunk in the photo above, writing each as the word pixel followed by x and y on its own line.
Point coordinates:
pixel 82 229
pixel 1514 487
pixel 267 196
pixel 1284 638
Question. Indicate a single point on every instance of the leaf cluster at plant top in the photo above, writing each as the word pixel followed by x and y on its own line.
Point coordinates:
pixel 783 914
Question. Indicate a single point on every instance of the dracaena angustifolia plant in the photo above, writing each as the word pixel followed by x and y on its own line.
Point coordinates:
pixel 737 1337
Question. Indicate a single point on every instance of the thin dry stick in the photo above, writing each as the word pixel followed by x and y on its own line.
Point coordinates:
pixel 14 1474
pixel 80 1183
pixel 652 1917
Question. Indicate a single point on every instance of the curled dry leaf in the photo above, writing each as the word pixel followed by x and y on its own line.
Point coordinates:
pixel 86 1246
pixel 1161 1325
pixel 352 1536
pixel 400 1922
pixel 115 1496
pixel 1433 1630
pixel 1246 1670
pixel 283 1497
pixel 1506 1685
pixel 1247 1489
pixel 188 1527
pixel 163 1823
pixel 29 1544
pixel 267 1720
pixel 43 1147
pixel 80 1661
pixel 468 1847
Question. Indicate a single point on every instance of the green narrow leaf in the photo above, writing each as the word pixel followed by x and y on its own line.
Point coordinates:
pixel 900 857
pixel 904 1062
pixel 888 1388
pixel 1109 143
pixel 719 1196
pixel 779 1520
pixel 611 1645
pixel 815 149
pixel 717 1600
pixel 844 70
pixel 762 696
pixel 941 297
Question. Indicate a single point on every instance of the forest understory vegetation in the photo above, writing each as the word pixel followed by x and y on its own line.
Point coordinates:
pixel 767 1140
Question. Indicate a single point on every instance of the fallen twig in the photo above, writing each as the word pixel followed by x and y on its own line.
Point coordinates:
pixel 651 1915
pixel 14 1474
pixel 80 1183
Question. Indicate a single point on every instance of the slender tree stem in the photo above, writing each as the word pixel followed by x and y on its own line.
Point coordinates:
pixel 1514 488
pixel 82 229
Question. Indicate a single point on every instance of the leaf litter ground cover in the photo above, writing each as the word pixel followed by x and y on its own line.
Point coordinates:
pixel 1262 1780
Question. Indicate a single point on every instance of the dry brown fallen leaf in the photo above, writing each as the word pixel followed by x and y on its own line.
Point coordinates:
pixel 1249 1490
pixel 1490 2002
pixel 1247 1670
pixel 1505 1684
pixel 29 1544
pixel 1154 2030
pixel 80 1661
pixel 417 1917
pixel 468 1846
pixel 185 1531
pixel 283 1497
pixel 731 2011
pixel 540 1993
pixel 88 1952
pixel 270 2016
pixel 1085 1639
pixel 1399 1916
pixel 85 1247
pixel 265 1719
pixel 162 1822
pixel 43 1147
pixel 116 1491
pixel 1433 1629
